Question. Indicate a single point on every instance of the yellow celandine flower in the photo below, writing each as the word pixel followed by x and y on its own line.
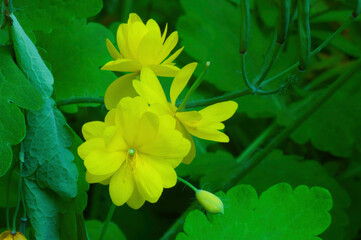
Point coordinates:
pixel 134 151
pixel 7 235
pixel 204 124
pixel 139 45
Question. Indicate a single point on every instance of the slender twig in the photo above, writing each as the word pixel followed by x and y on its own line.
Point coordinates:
pixel 79 100
pixel 244 73
pixel 313 53
pixel 107 221
pixel 247 166
pixel 187 183
pixel 193 88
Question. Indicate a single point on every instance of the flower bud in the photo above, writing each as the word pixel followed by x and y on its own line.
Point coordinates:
pixel 8 235
pixel 210 202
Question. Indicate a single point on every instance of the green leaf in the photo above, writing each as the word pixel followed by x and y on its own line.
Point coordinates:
pixel 46 15
pixel 278 213
pixel 76 64
pixel 296 171
pixel 15 92
pixel 94 228
pixel 334 127
pixel 42 210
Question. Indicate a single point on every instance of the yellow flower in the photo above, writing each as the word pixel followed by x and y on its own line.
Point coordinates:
pixel 134 151
pixel 7 235
pixel 139 45
pixel 204 124
pixel 210 202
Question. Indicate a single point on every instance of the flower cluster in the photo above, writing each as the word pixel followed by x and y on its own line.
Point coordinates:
pixel 144 137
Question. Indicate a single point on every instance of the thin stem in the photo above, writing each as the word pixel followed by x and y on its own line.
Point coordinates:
pixel 23 219
pixel 19 195
pixel 228 96
pixel 107 221
pixel 247 166
pixel 193 88
pixel 187 183
pixel 246 154
pixel 79 100
pixel 244 73
pixel 7 198
pixel 276 47
pixel 313 53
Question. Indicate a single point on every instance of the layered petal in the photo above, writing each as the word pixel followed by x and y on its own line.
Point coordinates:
pixel 180 81
pixel 148 48
pixel 148 180
pixel 122 41
pixel 168 46
pixel 90 178
pixel 164 70
pixel 123 65
pixel 102 162
pixel 90 145
pixel 136 200
pixel 208 134
pixel 192 152
pixel 169 61
pixel 121 185
pixel 112 50
pixel 121 87
pixel 93 129
pixel 147 130
pixel 218 112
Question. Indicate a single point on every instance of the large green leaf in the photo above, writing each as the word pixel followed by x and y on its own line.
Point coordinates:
pixel 75 65
pixel 278 213
pixel 335 126
pixel 94 228
pixel 15 91
pixel 296 171
pixel 46 15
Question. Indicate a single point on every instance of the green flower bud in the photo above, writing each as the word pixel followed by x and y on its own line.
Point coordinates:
pixel 210 202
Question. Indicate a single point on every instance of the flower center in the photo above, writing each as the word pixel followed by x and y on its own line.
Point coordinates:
pixel 131 151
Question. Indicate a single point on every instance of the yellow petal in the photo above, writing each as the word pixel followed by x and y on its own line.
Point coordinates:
pixel 218 112
pixel 114 139
pixel 151 88
pixel 123 65
pixel 181 80
pixel 148 181
pixel 121 186
pixel 112 50
pixel 147 130
pixel 153 27
pixel 169 61
pixel 122 41
pixel 112 117
pixel 168 46
pixel 149 48
pixel 192 152
pixel 133 17
pixel 170 145
pixel 101 162
pixel 93 129
pixel 208 134
pixel 165 32
pixel 90 178
pixel 164 169
pixel 136 200
pixel 131 111
pixel 136 32
pixel 162 109
pixel 191 118
pixel 90 145
pixel 164 70
pixel 121 87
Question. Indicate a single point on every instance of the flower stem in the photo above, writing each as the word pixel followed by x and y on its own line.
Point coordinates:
pixel 107 221
pixel 21 158
pixel 276 47
pixel 247 166
pixel 187 183
pixel 79 100
pixel 313 53
pixel 7 198
pixel 244 73
pixel 193 88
